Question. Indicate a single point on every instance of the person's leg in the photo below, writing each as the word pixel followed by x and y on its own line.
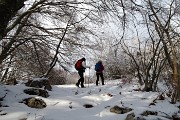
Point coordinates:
pixel 80 79
pixel 82 82
pixel 97 75
pixel 81 74
pixel 102 78
pixel 77 84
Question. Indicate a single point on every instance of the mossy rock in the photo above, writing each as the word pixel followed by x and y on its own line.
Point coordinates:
pixel 119 110
pixel 34 103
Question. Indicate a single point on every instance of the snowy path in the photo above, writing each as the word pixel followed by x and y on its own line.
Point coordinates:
pixel 66 103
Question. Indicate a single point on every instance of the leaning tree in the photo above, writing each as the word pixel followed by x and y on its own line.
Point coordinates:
pixel 58 29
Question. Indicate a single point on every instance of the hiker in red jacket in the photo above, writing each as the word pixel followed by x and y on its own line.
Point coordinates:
pixel 99 72
pixel 80 67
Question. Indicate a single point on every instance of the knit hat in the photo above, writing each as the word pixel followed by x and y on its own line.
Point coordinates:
pixel 83 59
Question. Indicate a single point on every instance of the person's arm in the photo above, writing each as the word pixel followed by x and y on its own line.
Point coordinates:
pixel 84 65
pixel 102 67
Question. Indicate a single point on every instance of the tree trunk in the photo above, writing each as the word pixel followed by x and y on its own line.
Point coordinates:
pixel 8 9
pixel 148 86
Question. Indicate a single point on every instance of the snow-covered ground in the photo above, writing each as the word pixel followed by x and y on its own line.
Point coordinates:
pixel 66 103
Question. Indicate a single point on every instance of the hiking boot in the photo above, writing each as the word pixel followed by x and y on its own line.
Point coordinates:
pixel 96 83
pixel 77 84
pixel 83 86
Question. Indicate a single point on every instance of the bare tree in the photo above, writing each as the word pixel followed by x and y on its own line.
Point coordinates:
pixel 61 26
pixel 160 21
pixel 164 26
pixel 8 9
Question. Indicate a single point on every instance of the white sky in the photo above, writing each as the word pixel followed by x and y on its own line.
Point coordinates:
pixel 61 96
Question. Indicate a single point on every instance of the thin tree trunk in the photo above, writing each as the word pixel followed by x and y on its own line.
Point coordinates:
pixel 55 58
pixel 175 72
pixel 7 69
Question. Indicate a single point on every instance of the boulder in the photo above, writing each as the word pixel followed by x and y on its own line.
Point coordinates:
pixel 130 116
pixel 35 91
pixel 119 110
pixel 146 113
pixel 34 103
pixel 39 83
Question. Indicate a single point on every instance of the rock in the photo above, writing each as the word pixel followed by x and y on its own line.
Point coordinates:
pixel 146 113
pixel 120 110
pixel 139 118
pixel 39 83
pixel 116 109
pixel 176 117
pixel 39 92
pixel 11 81
pixel 34 103
pixel 126 110
pixel 130 116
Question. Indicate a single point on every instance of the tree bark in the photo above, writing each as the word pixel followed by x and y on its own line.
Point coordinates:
pixel 8 9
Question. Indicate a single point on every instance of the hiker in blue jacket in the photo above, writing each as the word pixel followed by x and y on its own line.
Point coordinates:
pixel 99 72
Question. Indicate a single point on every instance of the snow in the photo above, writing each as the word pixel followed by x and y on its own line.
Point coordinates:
pixel 66 103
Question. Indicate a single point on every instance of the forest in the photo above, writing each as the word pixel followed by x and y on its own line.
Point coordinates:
pixel 134 38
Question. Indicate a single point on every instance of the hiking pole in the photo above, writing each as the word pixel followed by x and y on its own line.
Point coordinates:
pixel 89 77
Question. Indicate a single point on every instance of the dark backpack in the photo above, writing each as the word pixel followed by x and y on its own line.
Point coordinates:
pixel 97 66
pixel 78 65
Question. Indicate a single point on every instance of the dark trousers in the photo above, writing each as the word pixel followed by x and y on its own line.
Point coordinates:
pixel 102 78
pixel 81 80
